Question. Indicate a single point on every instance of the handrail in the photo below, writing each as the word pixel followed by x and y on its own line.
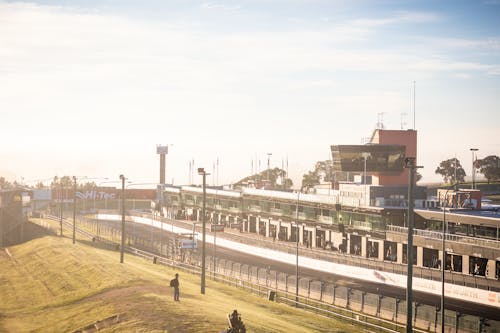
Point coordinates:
pixel 490 243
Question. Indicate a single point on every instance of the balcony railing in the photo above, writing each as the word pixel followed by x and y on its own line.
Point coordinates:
pixel 234 210
pixel 254 208
pixel 325 219
pixel 276 211
pixel 490 243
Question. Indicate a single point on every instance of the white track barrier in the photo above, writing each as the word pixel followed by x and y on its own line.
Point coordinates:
pixel 463 293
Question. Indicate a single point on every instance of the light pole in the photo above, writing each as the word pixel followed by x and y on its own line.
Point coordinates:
pixel 473 150
pixel 410 163
pixel 443 263
pixel 365 156
pixel 74 208
pixel 203 173
pixel 215 236
pixel 122 177
pixel 297 250
pixel 61 205
pixel 269 168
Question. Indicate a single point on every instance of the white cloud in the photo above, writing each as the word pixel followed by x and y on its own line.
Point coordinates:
pixel 104 81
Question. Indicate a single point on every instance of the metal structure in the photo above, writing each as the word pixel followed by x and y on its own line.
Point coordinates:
pixel 297 251
pixel 410 164
pixel 203 173
pixel 74 208
pixel 122 177
pixel 473 150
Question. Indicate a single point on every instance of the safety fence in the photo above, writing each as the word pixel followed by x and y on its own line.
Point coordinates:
pixel 376 311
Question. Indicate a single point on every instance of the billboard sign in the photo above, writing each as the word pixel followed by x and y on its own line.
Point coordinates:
pixel 188 244
pixel 217 228
pixel 379 158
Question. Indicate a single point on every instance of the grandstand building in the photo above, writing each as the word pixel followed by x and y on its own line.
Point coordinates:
pixel 365 219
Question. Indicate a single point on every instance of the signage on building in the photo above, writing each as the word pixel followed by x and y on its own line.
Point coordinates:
pixel 369 158
pixel 188 244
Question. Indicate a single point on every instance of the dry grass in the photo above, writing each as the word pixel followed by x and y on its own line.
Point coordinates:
pixel 51 285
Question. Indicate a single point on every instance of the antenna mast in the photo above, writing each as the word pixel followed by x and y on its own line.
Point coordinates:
pixel 414 98
pixel 403 120
pixel 380 120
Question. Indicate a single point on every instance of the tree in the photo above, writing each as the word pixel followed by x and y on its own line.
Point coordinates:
pixel 4 184
pixel 451 170
pixel 65 181
pixel 277 179
pixel 489 167
pixel 323 171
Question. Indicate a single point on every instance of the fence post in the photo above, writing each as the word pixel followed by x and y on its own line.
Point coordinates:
pixel 396 312
pixel 321 291
pixel 334 293
pixel 379 303
pixel 348 296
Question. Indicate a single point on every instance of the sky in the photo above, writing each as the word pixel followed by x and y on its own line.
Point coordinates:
pixel 89 88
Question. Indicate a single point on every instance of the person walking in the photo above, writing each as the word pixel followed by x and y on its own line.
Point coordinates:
pixel 175 284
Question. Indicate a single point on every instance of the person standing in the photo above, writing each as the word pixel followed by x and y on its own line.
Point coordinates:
pixel 175 284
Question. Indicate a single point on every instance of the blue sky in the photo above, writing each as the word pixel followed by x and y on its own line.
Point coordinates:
pixel 90 87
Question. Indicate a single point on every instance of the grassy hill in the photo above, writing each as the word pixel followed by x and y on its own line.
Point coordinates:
pixel 50 285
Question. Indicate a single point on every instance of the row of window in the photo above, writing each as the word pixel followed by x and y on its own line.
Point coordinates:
pixel 320 215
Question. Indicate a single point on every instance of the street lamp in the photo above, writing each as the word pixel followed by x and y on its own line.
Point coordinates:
pixel 365 156
pixel 443 263
pixel 269 168
pixel 122 178
pixel 410 163
pixel 202 172
pixel 297 250
pixel 473 150
pixel 61 206
pixel 74 208
pixel 215 236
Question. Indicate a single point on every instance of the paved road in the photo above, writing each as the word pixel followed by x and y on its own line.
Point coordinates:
pixel 144 232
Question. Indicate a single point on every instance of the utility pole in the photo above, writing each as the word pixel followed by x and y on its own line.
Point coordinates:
pixel 122 177
pixel 269 168
pixel 297 251
pixel 61 205
pixel 410 164
pixel 74 208
pixel 202 172
pixel 473 150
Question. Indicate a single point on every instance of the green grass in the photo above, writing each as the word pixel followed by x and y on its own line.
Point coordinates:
pixel 51 285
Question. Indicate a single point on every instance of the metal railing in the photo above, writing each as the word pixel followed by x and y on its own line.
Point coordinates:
pixel 376 312
pixel 459 278
pixel 489 243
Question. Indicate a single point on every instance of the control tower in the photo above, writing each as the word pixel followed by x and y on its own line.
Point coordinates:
pixel 162 150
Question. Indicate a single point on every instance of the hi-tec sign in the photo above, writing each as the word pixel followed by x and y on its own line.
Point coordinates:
pixel 217 228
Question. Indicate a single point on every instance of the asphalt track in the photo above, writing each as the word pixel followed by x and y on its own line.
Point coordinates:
pixel 144 232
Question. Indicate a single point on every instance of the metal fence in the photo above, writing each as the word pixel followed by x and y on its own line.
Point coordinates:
pixel 379 312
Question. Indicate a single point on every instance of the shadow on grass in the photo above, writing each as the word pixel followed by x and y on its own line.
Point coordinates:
pixel 25 233
pixel 100 245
